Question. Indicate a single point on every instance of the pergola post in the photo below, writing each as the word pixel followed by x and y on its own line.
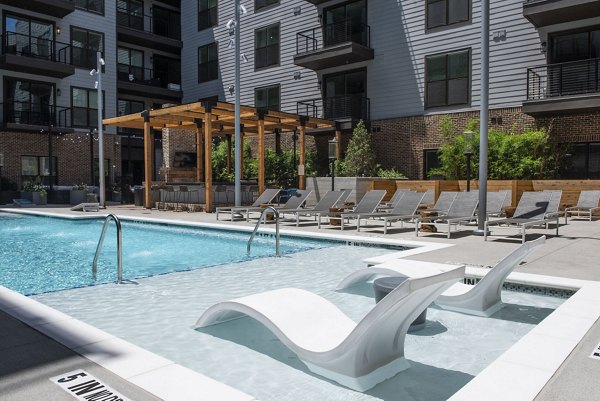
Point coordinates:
pixel 261 152
pixel 147 158
pixel 338 141
pixel 208 153
pixel 301 172
pixel 199 151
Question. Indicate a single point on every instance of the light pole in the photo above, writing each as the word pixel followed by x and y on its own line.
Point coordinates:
pixel 238 135
pixel 98 72
pixel 332 151
pixel 483 116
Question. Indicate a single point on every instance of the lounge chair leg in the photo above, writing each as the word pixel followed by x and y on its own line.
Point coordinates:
pixel 523 238
pixel 557 217
pixel 417 229
pixel 449 227
pixel 485 230
pixel 357 225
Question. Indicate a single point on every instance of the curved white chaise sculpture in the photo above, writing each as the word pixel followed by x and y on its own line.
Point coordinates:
pixel 356 355
pixel 482 299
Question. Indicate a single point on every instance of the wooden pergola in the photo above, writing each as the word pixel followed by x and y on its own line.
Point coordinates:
pixel 212 118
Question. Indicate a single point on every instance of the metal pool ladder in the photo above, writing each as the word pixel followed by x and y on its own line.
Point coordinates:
pixel 260 219
pixel 119 248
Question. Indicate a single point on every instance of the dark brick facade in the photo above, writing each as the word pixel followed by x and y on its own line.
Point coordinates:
pixel 72 152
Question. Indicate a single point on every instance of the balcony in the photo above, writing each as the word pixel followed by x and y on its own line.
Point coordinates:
pixel 344 107
pixel 34 55
pixel 154 31
pixel 55 8
pixel 147 82
pixel 563 88
pixel 316 2
pixel 333 45
pixel 34 116
pixel 549 12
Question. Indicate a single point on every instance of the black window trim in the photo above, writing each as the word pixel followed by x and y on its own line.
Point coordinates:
pixel 86 9
pixel 216 23
pixel 88 108
pixel 266 7
pixel 216 44
pixel 469 77
pixel 266 87
pixel 278 64
pixel 447 25
pixel 103 51
pixel 552 35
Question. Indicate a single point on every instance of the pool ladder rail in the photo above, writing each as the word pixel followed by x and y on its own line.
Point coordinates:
pixel 260 219
pixel 119 248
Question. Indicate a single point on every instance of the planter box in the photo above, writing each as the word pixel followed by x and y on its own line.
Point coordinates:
pixel 77 196
pixel 26 195
pixel 38 199
pixel 116 197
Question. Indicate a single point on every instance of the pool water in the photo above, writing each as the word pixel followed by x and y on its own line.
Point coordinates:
pixel 159 313
pixel 43 254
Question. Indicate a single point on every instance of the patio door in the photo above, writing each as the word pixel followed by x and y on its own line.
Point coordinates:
pixel 29 102
pixel 346 23
pixel 345 95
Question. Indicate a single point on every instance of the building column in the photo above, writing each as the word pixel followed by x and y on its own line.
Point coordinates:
pixel 302 130
pixel 208 159
pixel 261 153
pixel 148 146
pixel 199 152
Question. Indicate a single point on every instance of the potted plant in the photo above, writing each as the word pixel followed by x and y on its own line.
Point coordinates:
pixel 116 192
pixel 78 193
pixel 40 194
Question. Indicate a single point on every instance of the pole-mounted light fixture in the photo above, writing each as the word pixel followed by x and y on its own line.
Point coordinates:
pixel 332 153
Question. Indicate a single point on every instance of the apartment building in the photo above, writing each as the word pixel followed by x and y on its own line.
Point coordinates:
pixel 403 65
pixel 400 66
pixel 49 96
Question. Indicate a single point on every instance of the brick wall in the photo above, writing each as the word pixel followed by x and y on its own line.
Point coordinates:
pixel 71 150
pixel 399 143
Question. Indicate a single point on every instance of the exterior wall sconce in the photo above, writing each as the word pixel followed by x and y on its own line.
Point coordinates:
pixel 543 47
pixel 297 75
pixel 297 10
pixel 58 30
pixel 58 92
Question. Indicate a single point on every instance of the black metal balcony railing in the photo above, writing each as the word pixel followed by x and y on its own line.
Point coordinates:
pixel 36 47
pixel 563 79
pixel 166 25
pixel 336 107
pixel 331 35
pixel 144 76
pixel 34 113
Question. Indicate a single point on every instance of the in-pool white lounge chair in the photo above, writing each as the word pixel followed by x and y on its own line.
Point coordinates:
pixel 356 355
pixel 481 299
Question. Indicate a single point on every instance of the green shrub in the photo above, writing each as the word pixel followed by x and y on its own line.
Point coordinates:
pixel 391 173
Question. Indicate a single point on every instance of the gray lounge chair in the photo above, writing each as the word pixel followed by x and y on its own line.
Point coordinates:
pixel 322 207
pixel 405 209
pixel 428 197
pixel 554 204
pixel 343 198
pixel 266 197
pixel 368 204
pixel 495 203
pixel 295 202
pixel 586 205
pixel 530 212
pixel 443 202
pixel 462 210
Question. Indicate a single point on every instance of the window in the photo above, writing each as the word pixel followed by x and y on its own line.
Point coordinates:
pixel 85 44
pixel 28 37
pixel 266 46
pixel 166 70
pixel 431 160
pixel 584 161
pixel 84 107
pixel 447 77
pixel 130 64
pixel 447 12
pixel 29 102
pixel 258 4
pixel 125 107
pixel 37 166
pixel 208 14
pixel 267 98
pixel 130 13
pixel 166 22
pixel 93 6
pixel 208 63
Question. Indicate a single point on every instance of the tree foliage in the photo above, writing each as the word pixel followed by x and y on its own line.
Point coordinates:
pixel 360 157
pixel 527 155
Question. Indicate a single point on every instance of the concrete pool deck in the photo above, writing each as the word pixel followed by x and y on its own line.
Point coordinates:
pixel 570 256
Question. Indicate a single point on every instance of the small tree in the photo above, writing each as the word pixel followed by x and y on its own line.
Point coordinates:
pixel 360 157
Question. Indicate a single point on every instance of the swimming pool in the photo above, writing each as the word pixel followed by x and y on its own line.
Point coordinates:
pixel 42 254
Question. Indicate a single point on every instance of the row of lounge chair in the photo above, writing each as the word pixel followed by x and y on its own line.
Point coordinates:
pixel 361 355
pixel 451 210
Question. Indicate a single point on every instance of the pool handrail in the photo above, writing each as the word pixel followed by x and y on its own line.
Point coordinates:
pixel 260 219
pixel 119 248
